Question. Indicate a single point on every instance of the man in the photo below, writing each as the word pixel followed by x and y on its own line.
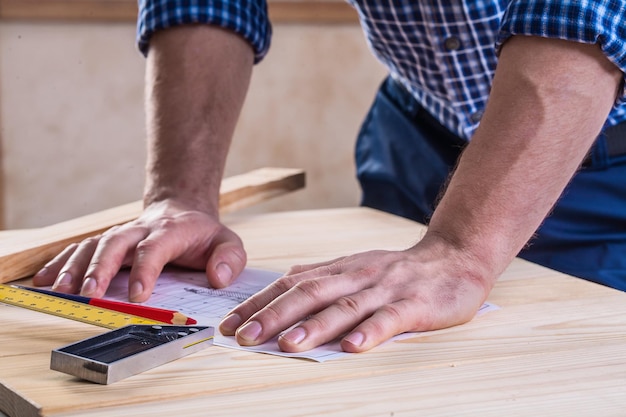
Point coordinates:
pixel 557 90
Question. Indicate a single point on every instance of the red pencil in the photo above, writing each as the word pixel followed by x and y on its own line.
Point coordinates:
pixel 159 314
pixel 154 313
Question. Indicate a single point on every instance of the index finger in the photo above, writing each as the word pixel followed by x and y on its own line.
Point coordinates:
pixel 236 317
pixel 114 249
pixel 302 299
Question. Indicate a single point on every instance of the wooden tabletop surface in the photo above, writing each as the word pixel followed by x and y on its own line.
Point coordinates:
pixel 557 346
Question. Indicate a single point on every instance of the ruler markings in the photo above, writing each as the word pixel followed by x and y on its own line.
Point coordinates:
pixel 68 309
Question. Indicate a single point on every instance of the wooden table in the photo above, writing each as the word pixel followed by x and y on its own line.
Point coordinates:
pixel 556 347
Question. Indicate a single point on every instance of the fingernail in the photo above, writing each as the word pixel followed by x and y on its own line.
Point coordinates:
pixel 250 331
pixel 224 273
pixel 64 280
pixel 295 335
pixel 230 323
pixel 89 287
pixel 355 338
pixel 43 271
pixel 136 289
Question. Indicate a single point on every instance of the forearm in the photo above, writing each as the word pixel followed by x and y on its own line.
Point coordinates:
pixel 548 103
pixel 196 81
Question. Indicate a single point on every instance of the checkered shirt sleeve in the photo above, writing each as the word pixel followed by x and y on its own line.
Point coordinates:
pixel 248 18
pixel 601 22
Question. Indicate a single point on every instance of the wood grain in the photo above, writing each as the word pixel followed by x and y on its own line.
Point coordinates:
pixel 28 250
pixel 556 347
pixel 280 11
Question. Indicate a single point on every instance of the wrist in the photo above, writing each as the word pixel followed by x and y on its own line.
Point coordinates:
pixel 461 259
pixel 181 199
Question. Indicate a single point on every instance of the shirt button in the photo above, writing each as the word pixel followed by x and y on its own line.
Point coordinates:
pixel 475 117
pixel 452 43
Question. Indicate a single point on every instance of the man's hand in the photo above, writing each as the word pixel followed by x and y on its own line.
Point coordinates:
pixel 365 299
pixel 164 233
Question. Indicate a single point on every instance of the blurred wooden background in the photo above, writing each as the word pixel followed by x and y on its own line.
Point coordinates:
pixel 71 106
pixel 302 11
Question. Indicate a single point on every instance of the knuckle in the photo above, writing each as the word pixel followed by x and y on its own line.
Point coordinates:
pixel 108 238
pixel 295 269
pixel 166 223
pixel 316 324
pixel 234 254
pixel 332 269
pixel 284 284
pixel 423 321
pixel 310 288
pixel 377 327
pixel 149 245
pixel 97 268
pixel 111 230
pixel 254 303
pixel 391 311
pixel 89 241
pixel 388 320
pixel 72 269
pixel 271 313
pixel 348 305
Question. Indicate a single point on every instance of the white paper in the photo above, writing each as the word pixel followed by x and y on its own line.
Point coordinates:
pixel 187 292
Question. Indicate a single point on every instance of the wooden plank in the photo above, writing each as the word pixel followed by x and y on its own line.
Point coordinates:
pixel 280 11
pixel 25 253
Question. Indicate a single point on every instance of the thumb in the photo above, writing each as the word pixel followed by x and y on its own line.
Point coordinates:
pixel 226 262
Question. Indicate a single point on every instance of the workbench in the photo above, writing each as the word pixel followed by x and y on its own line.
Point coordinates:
pixel 556 346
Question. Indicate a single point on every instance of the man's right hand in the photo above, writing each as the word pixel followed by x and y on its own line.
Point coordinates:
pixel 166 232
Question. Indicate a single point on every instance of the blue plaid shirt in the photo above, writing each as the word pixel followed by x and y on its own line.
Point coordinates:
pixel 443 51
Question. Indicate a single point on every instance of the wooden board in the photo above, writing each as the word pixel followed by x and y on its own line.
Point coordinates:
pixel 25 253
pixel 556 347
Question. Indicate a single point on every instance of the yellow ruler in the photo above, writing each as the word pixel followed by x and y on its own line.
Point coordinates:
pixel 68 309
